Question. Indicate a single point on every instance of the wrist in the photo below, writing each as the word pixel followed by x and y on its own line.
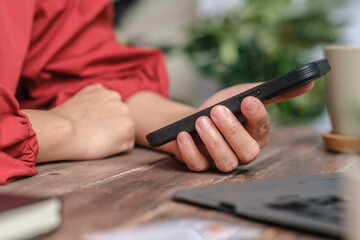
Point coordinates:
pixel 151 112
pixel 54 134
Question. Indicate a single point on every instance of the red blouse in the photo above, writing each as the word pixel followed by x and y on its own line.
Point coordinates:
pixel 49 50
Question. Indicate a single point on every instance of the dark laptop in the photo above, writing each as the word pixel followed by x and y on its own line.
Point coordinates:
pixel 310 203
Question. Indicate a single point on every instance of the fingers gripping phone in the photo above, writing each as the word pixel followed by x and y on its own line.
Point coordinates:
pixel 265 91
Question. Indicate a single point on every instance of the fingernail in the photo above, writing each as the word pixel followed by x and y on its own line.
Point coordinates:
pixel 183 138
pixel 251 105
pixel 220 112
pixel 203 123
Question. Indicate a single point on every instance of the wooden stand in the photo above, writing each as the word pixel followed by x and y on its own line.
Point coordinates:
pixel 341 143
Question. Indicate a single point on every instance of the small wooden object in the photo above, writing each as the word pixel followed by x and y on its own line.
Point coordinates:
pixel 341 143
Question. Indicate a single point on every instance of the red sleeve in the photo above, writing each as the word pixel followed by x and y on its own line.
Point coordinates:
pixel 73 45
pixel 18 144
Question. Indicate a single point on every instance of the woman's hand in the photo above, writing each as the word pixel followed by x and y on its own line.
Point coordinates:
pixel 101 121
pixel 224 140
pixel 93 124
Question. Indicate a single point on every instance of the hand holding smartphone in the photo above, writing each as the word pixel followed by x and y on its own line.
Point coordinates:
pixel 265 91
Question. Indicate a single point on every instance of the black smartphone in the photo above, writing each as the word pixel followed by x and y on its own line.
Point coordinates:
pixel 265 91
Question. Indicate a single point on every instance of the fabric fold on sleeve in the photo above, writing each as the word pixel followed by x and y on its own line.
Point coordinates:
pixel 144 71
pixel 18 143
pixel 79 49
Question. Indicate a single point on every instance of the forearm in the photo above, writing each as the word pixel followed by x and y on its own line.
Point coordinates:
pixel 53 134
pixel 151 111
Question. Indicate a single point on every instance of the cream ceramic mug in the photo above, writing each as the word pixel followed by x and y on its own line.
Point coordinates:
pixel 343 89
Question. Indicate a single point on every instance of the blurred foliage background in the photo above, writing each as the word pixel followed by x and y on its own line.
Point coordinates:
pixel 254 42
pixel 262 39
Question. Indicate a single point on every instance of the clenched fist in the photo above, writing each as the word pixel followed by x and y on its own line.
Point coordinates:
pixel 93 124
pixel 101 122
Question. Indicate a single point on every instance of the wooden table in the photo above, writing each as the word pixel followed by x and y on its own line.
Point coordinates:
pixel 136 188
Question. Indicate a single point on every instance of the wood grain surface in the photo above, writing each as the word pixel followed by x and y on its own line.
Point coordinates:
pixel 137 187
